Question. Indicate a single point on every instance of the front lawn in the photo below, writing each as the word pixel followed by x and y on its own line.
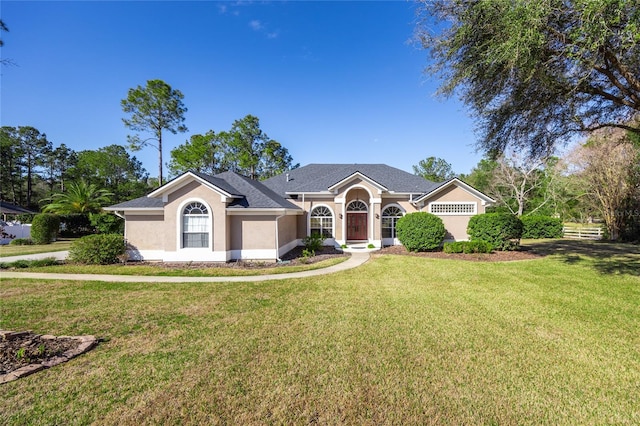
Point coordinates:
pixel 399 340
pixel 14 250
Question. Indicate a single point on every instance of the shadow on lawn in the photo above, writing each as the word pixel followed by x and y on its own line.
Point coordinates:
pixel 606 257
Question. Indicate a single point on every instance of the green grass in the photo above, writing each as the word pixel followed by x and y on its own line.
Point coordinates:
pixel 11 250
pixel 400 340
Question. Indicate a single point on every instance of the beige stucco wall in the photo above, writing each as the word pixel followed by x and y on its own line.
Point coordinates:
pixel 402 202
pixel 455 224
pixel 453 194
pixel 194 191
pixel 250 232
pixel 358 188
pixel 287 230
pixel 143 231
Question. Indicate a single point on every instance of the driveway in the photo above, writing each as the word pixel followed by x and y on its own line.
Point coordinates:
pixel 60 255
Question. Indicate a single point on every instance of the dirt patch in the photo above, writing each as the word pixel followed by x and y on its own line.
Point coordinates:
pixel 23 353
pixel 496 256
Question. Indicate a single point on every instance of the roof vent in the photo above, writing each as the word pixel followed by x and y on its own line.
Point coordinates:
pixel 287 177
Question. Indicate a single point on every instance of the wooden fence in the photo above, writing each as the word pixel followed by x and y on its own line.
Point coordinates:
pixel 594 233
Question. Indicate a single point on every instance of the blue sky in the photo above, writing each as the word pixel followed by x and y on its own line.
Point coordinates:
pixel 334 82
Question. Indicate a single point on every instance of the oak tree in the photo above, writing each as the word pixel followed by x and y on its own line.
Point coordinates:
pixel 536 72
pixel 249 151
pixel 201 153
pixel 434 169
pixel 113 169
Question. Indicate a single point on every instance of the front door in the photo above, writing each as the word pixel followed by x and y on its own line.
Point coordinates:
pixel 356 226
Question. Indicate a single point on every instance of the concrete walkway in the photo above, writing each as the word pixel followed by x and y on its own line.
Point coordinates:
pixel 59 255
pixel 356 259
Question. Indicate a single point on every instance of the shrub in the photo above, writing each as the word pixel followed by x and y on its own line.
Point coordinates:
pixel 47 261
pixel 312 243
pixel 21 242
pixel 468 247
pixel 541 227
pixel 420 231
pixel 75 225
pixel 502 231
pixel 477 246
pixel 20 264
pixel 454 247
pixel 107 223
pixel 25 217
pixel 98 249
pixel 44 228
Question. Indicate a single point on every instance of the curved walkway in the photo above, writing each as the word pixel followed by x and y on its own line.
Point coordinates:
pixel 356 259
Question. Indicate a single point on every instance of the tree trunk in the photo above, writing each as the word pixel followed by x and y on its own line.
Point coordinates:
pixel 160 159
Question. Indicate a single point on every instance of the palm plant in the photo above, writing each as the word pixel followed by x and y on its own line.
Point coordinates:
pixel 80 197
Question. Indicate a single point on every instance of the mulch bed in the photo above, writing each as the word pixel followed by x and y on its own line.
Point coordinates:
pixel 23 353
pixel 496 256
pixel 293 257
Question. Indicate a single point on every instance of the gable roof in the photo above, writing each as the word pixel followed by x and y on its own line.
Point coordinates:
pixel 213 182
pixel 244 193
pixel 324 177
pixel 455 181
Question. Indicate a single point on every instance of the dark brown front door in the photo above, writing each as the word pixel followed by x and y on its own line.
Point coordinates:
pixel 356 226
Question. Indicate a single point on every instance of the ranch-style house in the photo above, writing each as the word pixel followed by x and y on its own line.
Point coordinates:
pixel 198 217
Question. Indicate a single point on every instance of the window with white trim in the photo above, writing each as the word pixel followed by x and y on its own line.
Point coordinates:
pixel 321 221
pixel 390 216
pixel 460 208
pixel 195 226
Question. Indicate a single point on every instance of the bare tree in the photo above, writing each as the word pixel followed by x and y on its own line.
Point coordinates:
pixel 605 166
pixel 518 178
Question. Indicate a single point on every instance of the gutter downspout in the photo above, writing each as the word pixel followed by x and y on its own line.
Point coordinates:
pixel 277 239
pixel 125 229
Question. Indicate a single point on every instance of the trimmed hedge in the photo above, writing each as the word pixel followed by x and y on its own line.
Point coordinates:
pixel 502 230
pixel 468 247
pixel 98 249
pixel 420 231
pixel 44 228
pixel 107 223
pixel 541 227
pixel 75 225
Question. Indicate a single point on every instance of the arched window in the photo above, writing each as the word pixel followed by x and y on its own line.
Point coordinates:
pixel 357 206
pixel 195 225
pixel 321 221
pixel 390 217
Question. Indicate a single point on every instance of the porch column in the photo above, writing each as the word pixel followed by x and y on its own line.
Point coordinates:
pixel 340 223
pixel 375 207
